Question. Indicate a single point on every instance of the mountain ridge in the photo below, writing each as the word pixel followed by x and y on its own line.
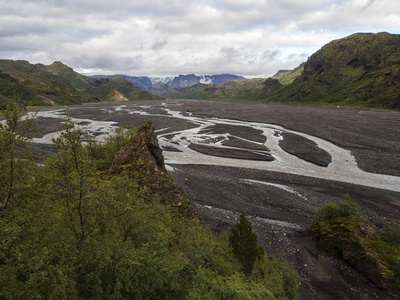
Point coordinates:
pixel 170 86
pixel 58 84
pixel 361 70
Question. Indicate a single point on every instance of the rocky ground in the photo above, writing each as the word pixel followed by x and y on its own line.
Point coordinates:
pixel 280 205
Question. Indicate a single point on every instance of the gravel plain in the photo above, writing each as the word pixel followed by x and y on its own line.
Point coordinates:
pixel 223 171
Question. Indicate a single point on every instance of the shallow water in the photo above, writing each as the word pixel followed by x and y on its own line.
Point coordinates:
pixel 343 166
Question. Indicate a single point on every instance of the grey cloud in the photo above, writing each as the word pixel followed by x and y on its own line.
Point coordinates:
pixel 270 54
pixel 107 62
pixel 159 43
pixel 369 3
pixel 297 56
pixel 138 37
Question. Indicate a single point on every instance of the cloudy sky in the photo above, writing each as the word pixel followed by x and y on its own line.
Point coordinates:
pixel 172 37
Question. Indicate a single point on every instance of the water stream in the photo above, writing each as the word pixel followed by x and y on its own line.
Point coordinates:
pixel 343 167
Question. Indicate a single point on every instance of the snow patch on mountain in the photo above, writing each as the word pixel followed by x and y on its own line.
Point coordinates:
pixel 205 79
pixel 164 80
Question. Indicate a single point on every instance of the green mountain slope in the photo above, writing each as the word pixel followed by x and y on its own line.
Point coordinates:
pixel 164 90
pixel 37 84
pixel 360 70
pixel 243 89
pixel 288 76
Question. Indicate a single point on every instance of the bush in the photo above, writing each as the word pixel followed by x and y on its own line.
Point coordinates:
pixel 103 152
pixel 392 234
pixel 345 208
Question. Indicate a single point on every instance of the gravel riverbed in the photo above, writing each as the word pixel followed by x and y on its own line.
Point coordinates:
pixel 227 157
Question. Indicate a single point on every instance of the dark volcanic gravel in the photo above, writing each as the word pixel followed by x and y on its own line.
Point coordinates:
pixel 304 149
pixel 281 206
pixel 232 153
pixel 240 131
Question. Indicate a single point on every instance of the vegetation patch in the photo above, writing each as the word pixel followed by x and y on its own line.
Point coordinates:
pixel 194 110
pixel 341 231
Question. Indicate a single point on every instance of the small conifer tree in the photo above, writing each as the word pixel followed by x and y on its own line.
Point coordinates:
pixel 243 241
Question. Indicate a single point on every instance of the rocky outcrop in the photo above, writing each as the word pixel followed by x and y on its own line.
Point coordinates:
pixel 143 160
pixel 356 240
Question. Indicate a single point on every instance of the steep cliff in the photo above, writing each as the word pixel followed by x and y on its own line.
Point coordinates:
pixel 143 160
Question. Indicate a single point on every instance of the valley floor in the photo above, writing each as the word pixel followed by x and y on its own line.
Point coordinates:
pixel 229 156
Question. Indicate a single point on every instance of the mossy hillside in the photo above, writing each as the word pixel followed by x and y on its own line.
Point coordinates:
pixel 37 84
pixel 360 70
pixel 286 77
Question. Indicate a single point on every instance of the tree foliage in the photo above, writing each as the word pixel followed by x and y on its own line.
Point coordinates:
pixel 243 241
pixel 15 132
pixel 103 151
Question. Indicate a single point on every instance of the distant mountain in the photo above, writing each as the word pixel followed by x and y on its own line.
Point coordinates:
pixel 188 80
pixel 37 84
pixel 244 89
pixel 256 89
pixel 142 82
pixel 164 80
pixel 164 90
pixel 360 70
pixel 170 86
pixel 226 87
pixel 185 80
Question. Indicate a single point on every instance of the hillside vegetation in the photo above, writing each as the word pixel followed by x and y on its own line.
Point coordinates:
pixel 288 76
pixel 37 84
pixel 92 223
pixel 250 89
pixel 361 70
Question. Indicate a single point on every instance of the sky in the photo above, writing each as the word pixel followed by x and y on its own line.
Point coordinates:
pixel 252 38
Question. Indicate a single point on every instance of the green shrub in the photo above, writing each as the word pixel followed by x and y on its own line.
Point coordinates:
pixel 276 275
pixel 103 152
pixel 392 234
pixel 345 208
